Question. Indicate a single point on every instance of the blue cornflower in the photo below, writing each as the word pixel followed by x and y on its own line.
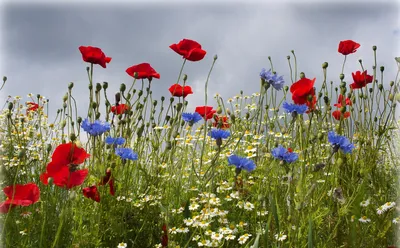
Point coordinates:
pixel 115 141
pixel 241 163
pixel 191 118
pixel 96 128
pixel 219 134
pixel 283 154
pixel 340 142
pixel 294 108
pixel 273 79
pixel 126 153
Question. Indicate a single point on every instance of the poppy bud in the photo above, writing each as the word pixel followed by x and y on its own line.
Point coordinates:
pixel 171 100
pixel 324 65
pixel 382 68
pixel 343 110
pixel 65 105
pixel 98 87
pixel 391 83
pixel 79 120
pixel 105 85
pixel 167 118
pixel 179 106
pixel 63 123
pixel 319 94
pixel 360 95
pixel 341 76
pixel 302 75
pixel 70 85
pixel 128 96
pixel 162 98
pixel 50 181
pixel 122 88
pixel 233 118
pixel 360 61
pixel 87 68
pixel 215 57
pixel 247 116
pixel 288 57
pixel 4 79
pixel 391 97
pixel 98 115
pixel 90 86
pixel 94 105
pixel 376 119
pixel 219 110
pixel 10 106
pixel 65 98
pixel 228 111
pixel 380 87
pixel 72 137
pixel 286 88
pixel 155 103
pixel 374 48
pixel 310 98
pixel 117 98
pixel 326 100
pixel 184 77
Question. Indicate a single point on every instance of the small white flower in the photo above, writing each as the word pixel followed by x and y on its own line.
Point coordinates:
pixel 364 203
pixel 364 219
pixel 23 232
pixel 281 236
pixel 396 220
pixel 242 239
pixel 380 210
pixel 389 205
pixel 122 245
pixel 230 237
pixel 216 236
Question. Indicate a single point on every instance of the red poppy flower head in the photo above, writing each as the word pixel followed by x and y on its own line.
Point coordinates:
pixel 361 80
pixel 64 178
pixel 301 90
pixel 340 101
pixel 337 114
pixel 178 91
pixel 92 193
pixel 221 122
pixel 189 49
pixel 206 112
pixel 94 55
pixel 347 47
pixel 143 70
pixel 290 150
pixel 21 195
pixel 69 153
pixel 119 109
pixel 32 106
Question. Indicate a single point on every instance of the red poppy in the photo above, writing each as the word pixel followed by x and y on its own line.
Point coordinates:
pixel 206 112
pixel 337 114
pixel 178 90
pixel 221 122
pixel 94 55
pixel 62 167
pixel 301 90
pixel 189 49
pixel 32 106
pixel 340 101
pixel 22 195
pixel 347 47
pixel 66 154
pixel 361 80
pixel 143 70
pixel 290 150
pixel 119 109
pixel 91 193
pixel 107 179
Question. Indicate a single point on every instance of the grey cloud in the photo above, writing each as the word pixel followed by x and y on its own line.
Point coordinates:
pixel 41 44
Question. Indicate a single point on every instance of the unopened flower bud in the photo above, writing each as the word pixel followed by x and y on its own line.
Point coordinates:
pixel 140 93
pixel 302 75
pixel 117 98
pixel 391 83
pixel 382 68
pixel 122 88
pixel 105 85
pixel 72 137
pixel 343 109
pixel 10 106
pixel 219 110
pixel 94 105
pixel 70 85
pixel 90 86
pixel 286 88
pixel 98 87
pixel 162 98
pixel 184 77
pixel 79 120
pixel 288 57
pixel 324 65
pixel 341 76
pixel 4 79
pixel 179 106
pixel 65 98
pixel 50 181
pixel 391 97
pixel 215 57
pixel 171 100
pixel 374 48
pixel 380 87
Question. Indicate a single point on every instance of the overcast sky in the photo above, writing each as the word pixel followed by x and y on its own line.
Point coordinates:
pixel 39 44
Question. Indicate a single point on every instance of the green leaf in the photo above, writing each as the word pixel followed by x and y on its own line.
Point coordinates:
pixel 310 233
pixel 255 245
